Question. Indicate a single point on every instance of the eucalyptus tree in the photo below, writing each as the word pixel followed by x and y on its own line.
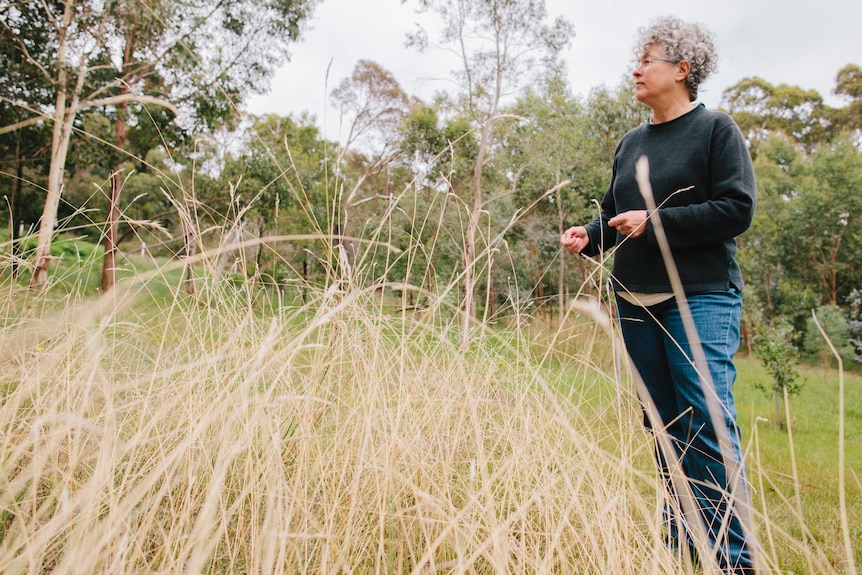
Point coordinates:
pixel 772 290
pixel 545 151
pixel 762 251
pixel 761 108
pixel 563 140
pixel 803 248
pixel 374 107
pixel 23 166
pixel 503 46
pixel 827 244
pixel 848 85
pixel 848 82
pixel 610 113
pixel 803 242
pixel 23 152
pixel 280 178
pixel 193 59
pixel 440 152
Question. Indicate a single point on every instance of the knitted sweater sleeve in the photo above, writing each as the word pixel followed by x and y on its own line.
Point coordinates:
pixel 729 208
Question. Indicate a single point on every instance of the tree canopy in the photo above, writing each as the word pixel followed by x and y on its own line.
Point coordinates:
pixel 196 60
pixel 464 194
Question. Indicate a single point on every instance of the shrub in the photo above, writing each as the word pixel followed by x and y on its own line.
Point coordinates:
pixel 773 345
pixel 834 324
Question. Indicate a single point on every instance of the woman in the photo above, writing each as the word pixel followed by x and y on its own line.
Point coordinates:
pixel 703 181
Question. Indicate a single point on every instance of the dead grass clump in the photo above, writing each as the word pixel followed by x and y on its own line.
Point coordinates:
pixel 324 440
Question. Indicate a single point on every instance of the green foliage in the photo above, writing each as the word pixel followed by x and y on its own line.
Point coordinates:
pixel 24 159
pixel 827 217
pixel 65 247
pixel 848 84
pixel 284 165
pixel 444 149
pixel 415 181
pixel 201 57
pixel 25 152
pixel 773 345
pixel 280 183
pixel 761 108
pixel 803 248
pixel 834 324
pixel 27 38
pixel 854 323
pixel 559 138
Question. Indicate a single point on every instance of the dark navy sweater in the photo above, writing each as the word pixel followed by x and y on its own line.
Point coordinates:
pixel 701 149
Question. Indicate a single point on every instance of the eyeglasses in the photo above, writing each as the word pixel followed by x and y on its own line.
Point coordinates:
pixel 647 62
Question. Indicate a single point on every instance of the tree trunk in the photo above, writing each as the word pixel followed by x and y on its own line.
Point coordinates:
pixel 190 251
pixel 59 150
pixel 468 259
pixel 469 255
pixel 110 261
pixel 747 337
pixel 489 290
pixel 121 137
pixel 111 223
pixel 15 207
pixel 64 115
pixel 779 417
pixel 303 291
pixel 228 247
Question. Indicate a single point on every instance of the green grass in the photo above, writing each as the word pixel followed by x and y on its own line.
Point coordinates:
pixel 814 425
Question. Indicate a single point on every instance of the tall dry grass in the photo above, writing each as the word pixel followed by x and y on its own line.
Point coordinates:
pixel 324 439
pixel 178 434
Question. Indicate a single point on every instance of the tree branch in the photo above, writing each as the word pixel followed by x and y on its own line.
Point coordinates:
pixel 119 99
pixel 23 124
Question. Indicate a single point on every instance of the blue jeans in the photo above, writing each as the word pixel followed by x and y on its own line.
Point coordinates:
pixel 713 468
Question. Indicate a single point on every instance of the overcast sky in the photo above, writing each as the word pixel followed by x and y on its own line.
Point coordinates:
pixel 797 42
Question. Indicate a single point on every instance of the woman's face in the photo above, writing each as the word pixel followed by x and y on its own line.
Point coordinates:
pixel 656 77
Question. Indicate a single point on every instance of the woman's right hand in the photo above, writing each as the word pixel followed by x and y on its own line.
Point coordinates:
pixel 575 239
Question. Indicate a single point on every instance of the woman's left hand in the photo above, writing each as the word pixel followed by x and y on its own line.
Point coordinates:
pixel 631 224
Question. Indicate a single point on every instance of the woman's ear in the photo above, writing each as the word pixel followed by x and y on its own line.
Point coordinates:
pixel 684 69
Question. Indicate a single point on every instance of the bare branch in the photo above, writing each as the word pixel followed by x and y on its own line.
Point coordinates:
pixel 119 99
pixel 23 124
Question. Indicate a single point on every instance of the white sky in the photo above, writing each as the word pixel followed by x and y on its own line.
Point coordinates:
pixel 797 42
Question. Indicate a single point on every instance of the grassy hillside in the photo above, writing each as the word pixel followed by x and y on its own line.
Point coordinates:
pixel 805 502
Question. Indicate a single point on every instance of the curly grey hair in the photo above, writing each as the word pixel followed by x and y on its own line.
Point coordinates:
pixel 680 41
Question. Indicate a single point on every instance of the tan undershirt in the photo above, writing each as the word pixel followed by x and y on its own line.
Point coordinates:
pixel 644 299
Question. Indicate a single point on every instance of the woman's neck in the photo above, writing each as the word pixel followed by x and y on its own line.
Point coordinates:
pixel 671 111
